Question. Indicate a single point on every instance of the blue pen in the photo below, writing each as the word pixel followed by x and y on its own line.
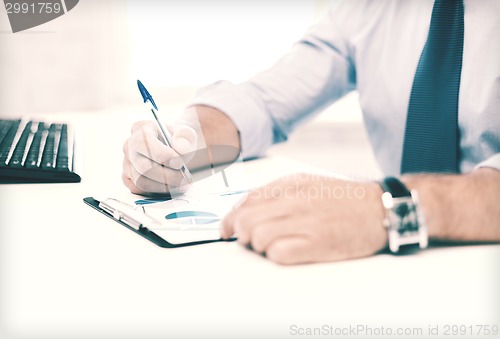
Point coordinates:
pixel 164 132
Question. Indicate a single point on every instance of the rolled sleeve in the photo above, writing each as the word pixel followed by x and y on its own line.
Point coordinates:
pixel 493 162
pixel 266 108
pixel 251 120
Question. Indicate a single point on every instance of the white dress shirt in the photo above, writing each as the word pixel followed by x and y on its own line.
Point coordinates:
pixel 372 47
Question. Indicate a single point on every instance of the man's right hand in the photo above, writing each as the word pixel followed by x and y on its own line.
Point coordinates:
pixel 150 166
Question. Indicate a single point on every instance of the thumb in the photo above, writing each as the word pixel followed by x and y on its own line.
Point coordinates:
pixel 184 138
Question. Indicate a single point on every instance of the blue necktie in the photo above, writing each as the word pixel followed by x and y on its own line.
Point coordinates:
pixel 431 134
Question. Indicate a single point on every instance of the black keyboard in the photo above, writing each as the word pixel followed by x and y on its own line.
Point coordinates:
pixel 36 151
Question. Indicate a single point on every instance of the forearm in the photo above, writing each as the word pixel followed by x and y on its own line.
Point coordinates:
pixel 460 207
pixel 217 128
pixel 216 133
pixel 266 108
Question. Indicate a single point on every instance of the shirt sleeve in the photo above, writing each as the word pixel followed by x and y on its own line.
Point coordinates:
pixel 493 161
pixel 265 109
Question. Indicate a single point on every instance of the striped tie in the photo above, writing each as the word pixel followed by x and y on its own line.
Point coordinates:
pixel 431 134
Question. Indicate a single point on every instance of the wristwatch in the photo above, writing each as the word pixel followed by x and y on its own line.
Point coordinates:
pixel 404 221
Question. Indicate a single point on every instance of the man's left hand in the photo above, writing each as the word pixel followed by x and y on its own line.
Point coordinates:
pixel 308 218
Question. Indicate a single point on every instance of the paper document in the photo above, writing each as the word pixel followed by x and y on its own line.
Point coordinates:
pixel 196 215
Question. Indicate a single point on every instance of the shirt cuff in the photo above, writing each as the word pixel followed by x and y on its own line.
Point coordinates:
pixel 493 161
pixel 251 120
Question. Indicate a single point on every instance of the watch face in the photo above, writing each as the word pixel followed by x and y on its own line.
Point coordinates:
pixel 409 220
pixel 405 223
pixel 403 216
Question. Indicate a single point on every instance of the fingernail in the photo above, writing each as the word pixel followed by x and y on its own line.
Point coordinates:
pixel 223 233
pixel 175 163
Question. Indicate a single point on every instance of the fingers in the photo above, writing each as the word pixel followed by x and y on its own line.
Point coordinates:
pixel 145 167
pixel 280 222
pixel 184 138
pixel 247 215
pixel 127 181
pixel 273 234
pixel 261 236
pixel 145 141
pixel 259 225
pixel 291 250
pixel 174 183
pixel 260 205
pixel 149 165
pixel 145 186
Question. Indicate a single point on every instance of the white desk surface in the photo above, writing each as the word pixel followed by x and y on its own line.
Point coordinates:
pixel 69 272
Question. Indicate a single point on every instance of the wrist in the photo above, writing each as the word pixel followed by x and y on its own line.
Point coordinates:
pixel 460 207
pixel 218 138
pixel 217 127
pixel 404 221
pixel 432 197
pixel 380 237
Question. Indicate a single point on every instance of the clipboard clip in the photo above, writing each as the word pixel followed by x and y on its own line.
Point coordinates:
pixel 127 214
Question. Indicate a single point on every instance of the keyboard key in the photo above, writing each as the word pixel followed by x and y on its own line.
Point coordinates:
pixel 5 126
pixel 20 150
pixel 33 159
pixel 49 152
pixel 7 140
pixel 62 153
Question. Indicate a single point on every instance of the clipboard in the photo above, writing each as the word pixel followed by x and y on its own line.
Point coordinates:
pixel 136 225
pixel 182 219
pixel 210 194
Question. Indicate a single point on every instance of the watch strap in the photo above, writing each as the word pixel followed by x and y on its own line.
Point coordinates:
pixel 395 187
pixel 407 231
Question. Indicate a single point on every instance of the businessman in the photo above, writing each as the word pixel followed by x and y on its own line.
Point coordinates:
pixel 428 77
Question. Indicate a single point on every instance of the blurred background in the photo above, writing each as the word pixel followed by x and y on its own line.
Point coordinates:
pixel 89 60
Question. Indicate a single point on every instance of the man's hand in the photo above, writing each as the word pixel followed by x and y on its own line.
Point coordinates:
pixel 306 218
pixel 206 137
pixel 314 219
pixel 150 166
